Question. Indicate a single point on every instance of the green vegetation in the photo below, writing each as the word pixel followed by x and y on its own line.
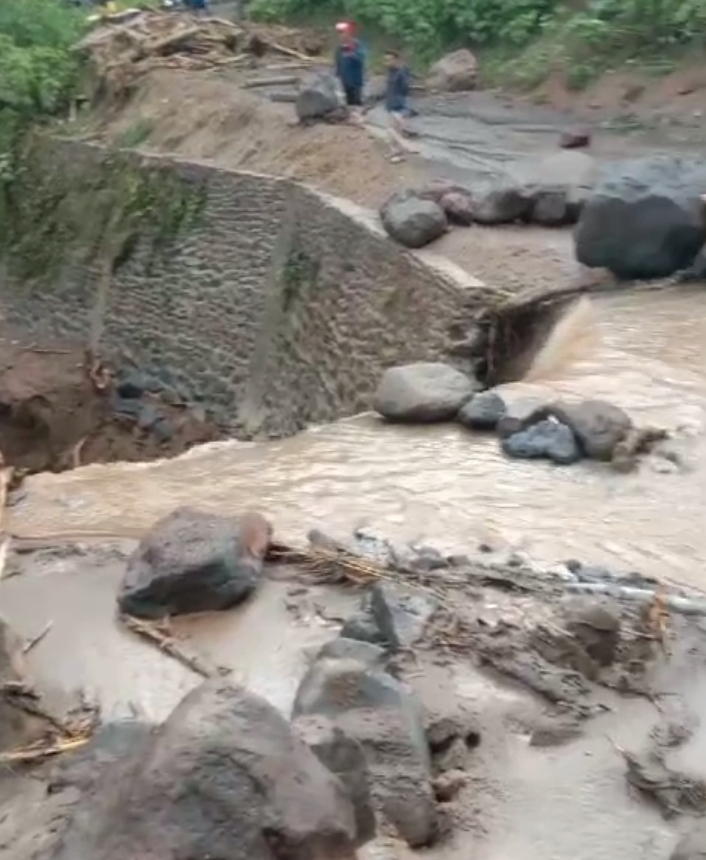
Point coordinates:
pixel 38 72
pixel 523 40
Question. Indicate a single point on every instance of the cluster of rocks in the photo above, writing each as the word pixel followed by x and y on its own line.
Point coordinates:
pixel 561 432
pixel 415 218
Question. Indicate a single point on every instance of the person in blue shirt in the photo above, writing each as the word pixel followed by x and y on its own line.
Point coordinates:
pixel 350 65
pixel 396 104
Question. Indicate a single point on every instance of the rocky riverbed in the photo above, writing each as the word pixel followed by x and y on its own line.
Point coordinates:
pixel 462 702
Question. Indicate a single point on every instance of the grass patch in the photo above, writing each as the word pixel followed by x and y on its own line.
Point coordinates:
pixel 135 134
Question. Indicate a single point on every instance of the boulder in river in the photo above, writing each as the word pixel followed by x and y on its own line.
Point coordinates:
pixel 483 411
pixel 192 561
pixel 413 221
pixel 225 776
pixel 546 440
pixel 376 710
pixel 645 219
pixel 319 98
pixel 423 392
pixel 455 72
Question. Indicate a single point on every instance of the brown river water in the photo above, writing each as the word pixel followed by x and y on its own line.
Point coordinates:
pixel 644 350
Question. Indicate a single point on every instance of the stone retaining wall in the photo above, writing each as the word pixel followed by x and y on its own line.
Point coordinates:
pixel 279 304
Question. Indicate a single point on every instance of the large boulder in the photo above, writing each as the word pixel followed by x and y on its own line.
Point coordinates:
pixel 192 561
pixel 502 203
pixel 319 98
pixel 413 221
pixel 645 219
pixel 225 776
pixel 373 708
pixel 559 185
pixel 456 72
pixel 597 425
pixel 422 392
pixel 483 411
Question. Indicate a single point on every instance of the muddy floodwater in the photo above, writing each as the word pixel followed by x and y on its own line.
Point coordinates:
pixel 645 351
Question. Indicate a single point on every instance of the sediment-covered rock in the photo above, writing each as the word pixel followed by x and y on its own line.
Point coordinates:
pixel 422 392
pixel 401 615
pixel 194 562
pixel 413 221
pixel 646 218
pixel 483 411
pixel 376 710
pixel 455 72
pixel 319 98
pixel 344 756
pixel 545 440
pixel 225 776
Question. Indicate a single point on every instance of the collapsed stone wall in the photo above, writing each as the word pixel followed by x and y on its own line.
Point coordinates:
pixel 280 305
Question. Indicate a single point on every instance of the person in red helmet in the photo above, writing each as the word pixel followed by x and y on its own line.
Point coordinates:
pixel 350 66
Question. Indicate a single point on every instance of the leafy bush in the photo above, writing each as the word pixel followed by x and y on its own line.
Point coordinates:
pixel 37 68
pixel 427 26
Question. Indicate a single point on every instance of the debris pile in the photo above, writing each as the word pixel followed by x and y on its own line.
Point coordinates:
pixel 119 52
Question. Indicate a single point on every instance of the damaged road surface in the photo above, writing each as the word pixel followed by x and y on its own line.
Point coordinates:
pixel 466 705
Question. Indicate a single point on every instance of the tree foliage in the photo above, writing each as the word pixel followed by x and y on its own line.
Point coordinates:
pixel 597 26
pixel 37 68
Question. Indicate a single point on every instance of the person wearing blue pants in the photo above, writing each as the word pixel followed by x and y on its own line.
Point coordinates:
pixel 350 67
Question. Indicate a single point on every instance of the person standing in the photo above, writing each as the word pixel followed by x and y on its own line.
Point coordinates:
pixel 396 95
pixel 350 67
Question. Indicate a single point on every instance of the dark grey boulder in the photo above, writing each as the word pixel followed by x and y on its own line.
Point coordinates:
pixel 645 219
pixel 379 712
pixel 575 138
pixel 225 776
pixel 546 440
pixel 422 392
pixel 344 756
pixel 343 648
pixel 319 98
pixel 502 204
pixel 696 271
pixel 361 627
pixel 194 562
pixel 550 207
pixel 400 614
pixel 599 426
pixel 483 411
pixel 413 221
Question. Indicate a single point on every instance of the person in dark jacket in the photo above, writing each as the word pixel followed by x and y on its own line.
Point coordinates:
pixel 396 95
pixel 350 65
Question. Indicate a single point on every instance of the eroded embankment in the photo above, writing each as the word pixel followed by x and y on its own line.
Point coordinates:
pixel 266 304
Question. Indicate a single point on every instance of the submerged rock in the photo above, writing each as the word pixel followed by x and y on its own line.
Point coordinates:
pixel 376 710
pixel 483 411
pixel 413 221
pixel 455 72
pixel 225 776
pixel 547 440
pixel 194 562
pixel 646 218
pixel 423 392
